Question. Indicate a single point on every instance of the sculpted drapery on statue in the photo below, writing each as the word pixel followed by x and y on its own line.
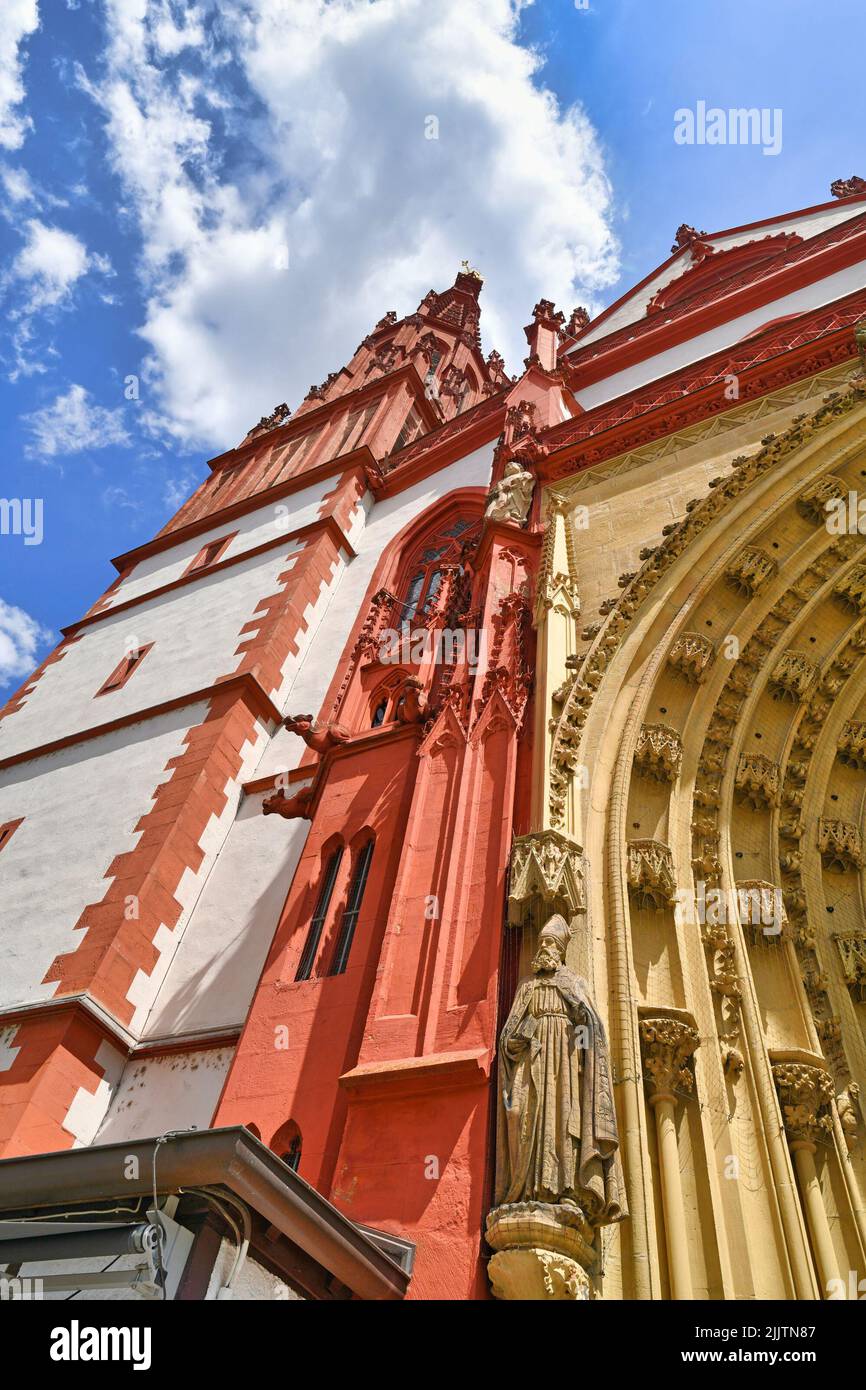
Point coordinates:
pixel 557 1137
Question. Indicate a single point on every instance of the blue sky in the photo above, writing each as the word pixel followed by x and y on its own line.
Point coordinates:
pixel 220 199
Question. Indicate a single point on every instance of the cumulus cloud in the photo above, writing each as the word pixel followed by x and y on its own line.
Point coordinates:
pixel 295 170
pixel 20 639
pixel 50 264
pixel 73 423
pixel 18 19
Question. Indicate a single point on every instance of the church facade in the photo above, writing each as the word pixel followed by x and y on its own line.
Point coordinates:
pixel 453 707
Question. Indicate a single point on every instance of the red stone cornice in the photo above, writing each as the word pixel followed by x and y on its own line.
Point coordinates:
pixel 245 685
pixel 789 351
pixel 313 528
pixel 835 249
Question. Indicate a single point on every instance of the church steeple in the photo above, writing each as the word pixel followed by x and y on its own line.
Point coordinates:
pixel 441 340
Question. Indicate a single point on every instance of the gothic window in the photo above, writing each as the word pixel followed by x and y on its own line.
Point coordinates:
pixel 378 716
pixel 287 1145
pixel 314 934
pixel 124 669
pixel 424 578
pixel 352 911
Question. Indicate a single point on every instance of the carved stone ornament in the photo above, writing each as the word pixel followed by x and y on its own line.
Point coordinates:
pixel 848 1106
pixel 793 677
pixel 546 866
pixel 851 589
pixel 511 498
pixel 851 748
pixel 847 188
pixel 650 873
pixel 761 910
pixel 814 499
pixel 691 655
pixel 558 1172
pixel 659 753
pixel 841 845
pixel 805 1094
pixel 852 950
pixel 667 1047
pixel 757 781
pixel 750 570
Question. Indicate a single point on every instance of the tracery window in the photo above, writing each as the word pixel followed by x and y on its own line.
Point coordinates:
pixel 424 571
pixel 353 909
pixel 317 922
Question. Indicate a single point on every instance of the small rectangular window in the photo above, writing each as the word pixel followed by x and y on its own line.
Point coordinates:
pixel 209 553
pixel 314 935
pixel 8 830
pixel 124 669
pixel 352 912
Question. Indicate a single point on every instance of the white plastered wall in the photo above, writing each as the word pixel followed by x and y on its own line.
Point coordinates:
pixel 254 528
pixel 80 807
pixel 195 633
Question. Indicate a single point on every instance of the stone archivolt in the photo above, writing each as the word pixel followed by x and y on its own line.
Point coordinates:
pixel 840 844
pixel 569 723
pixel 659 753
pixel 650 873
pixel 757 780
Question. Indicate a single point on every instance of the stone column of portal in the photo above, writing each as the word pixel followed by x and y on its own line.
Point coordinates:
pixel 557 608
pixel 667 1045
pixel 806 1096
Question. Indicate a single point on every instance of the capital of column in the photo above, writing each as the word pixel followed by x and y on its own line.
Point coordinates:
pixel 667 1046
pixel 805 1094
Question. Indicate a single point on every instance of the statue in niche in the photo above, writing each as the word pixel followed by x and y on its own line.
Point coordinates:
pixel 557 1140
pixel 511 497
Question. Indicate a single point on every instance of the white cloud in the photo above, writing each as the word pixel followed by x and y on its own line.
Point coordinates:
pixel 20 638
pixel 50 263
pixel 72 424
pixel 328 104
pixel 18 19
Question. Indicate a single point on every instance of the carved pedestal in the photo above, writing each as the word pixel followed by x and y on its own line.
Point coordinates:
pixel 542 1252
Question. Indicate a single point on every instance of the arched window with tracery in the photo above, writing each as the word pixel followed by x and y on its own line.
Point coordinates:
pixel 422 573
